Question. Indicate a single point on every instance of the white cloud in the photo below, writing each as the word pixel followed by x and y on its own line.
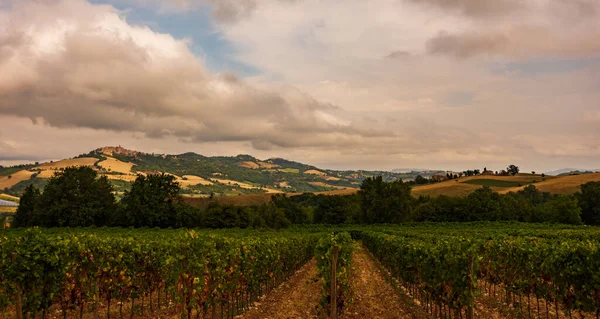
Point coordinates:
pixel 352 84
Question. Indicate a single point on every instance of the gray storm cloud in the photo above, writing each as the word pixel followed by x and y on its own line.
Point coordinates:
pixel 87 67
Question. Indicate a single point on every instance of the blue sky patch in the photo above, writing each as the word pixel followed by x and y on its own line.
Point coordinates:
pixel 198 25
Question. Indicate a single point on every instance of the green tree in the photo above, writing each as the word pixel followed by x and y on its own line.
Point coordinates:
pixel 76 197
pixel 512 169
pixel 151 202
pixel 562 209
pixel 383 202
pixel 26 214
pixel 274 217
pixel 589 202
pixel 515 207
pixel 420 180
pixel 483 204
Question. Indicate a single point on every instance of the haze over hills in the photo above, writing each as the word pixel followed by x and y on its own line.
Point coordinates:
pixel 569 170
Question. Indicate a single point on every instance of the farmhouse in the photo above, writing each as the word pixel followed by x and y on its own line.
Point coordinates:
pixel 488 172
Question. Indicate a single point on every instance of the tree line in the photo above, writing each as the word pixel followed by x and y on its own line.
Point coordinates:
pixel 77 197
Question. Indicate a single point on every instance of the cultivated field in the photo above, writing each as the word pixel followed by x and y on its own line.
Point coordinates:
pixel 114 165
pixel 193 180
pixel 503 184
pixel 314 172
pixel 468 270
pixel 4 209
pixel 9 197
pixel 6 182
pixel 84 161
pixel 250 165
pixel 563 184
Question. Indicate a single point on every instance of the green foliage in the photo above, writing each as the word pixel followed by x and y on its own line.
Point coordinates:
pixel 560 209
pixel 512 169
pixel 492 183
pixel 483 204
pixel 384 202
pixel 28 208
pixel 555 263
pixel 439 209
pixel 324 255
pixel 438 269
pixel 152 202
pixel 420 180
pixel 75 198
pixel 71 268
pixel 589 201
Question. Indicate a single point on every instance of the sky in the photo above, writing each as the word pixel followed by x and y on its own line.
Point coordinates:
pixel 353 84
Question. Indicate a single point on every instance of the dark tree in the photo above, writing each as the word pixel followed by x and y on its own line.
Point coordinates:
pixel 27 210
pixel 562 209
pixel 152 201
pixel 420 180
pixel 512 169
pixel 76 197
pixel 589 201
pixel 383 202
pixel 294 212
pixel 483 204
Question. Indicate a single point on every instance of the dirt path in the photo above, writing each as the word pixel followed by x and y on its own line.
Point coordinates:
pixel 373 296
pixel 298 297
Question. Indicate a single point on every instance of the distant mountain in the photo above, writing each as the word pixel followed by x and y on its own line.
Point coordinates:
pixel 408 170
pixel 569 170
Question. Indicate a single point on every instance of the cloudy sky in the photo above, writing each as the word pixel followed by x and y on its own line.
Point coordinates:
pixel 382 84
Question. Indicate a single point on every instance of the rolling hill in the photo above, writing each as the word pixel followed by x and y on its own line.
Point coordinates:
pixel 504 184
pixel 245 180
pixel 199 176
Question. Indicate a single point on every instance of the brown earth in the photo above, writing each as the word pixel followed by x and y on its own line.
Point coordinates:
pixel 373 296
pixel 298 297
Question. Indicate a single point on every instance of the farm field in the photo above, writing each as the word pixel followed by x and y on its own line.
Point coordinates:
pixel 486 270
pixel 563 184
pixel 9 197
pixel 503 184
pixel 11 180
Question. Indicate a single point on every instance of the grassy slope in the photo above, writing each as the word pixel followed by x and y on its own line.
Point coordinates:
pixel 17 177
pixel 562 184
pixel 465 185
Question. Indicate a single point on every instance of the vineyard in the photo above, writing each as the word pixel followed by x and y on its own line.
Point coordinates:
pixel 448 270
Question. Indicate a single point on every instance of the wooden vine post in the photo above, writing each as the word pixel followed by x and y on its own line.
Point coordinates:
pixel 470 307
pixel 333 291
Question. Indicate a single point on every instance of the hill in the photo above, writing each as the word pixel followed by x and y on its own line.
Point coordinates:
pixel 247 180
pixel 568 171
pixel 504 184
pixel 199 175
